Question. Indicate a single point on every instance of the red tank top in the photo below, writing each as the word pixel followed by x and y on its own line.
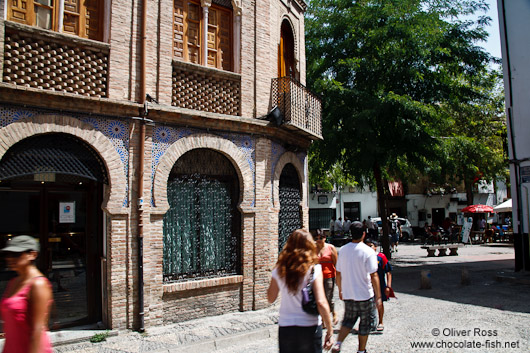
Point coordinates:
pixel 325 259
pixel 17 319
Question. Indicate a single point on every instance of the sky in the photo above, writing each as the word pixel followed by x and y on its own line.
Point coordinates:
pixel 493 45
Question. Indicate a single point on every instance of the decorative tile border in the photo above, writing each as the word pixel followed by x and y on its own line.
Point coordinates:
pixel 115 130
pixel 164 136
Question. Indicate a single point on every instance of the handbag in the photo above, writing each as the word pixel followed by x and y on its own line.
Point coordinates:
pixel 309 304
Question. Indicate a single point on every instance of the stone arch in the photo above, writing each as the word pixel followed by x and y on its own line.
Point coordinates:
pixel 43 124
pixel 289 157
pixel 202 140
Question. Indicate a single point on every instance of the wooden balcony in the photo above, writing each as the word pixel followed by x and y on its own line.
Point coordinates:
pixel 39 58
pixel 301 109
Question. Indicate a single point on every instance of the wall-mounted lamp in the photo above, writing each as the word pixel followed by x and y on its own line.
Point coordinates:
pixel 275 115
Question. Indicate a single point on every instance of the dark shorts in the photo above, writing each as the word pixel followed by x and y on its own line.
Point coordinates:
pixel 395 238
pixel 297 339
pixel 362 310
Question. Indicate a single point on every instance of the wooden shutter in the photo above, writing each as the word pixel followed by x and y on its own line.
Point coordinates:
pixel 225 40
pixel 212 37
pixel 220 38
pixel 83 18
pixel 72 17
pixel 178 29
pixel 93 25
pixel 21 11
pixel 187 34
pixel 193 33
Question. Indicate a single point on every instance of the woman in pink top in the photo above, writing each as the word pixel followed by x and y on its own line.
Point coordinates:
pixel 26 301
pixel 327 257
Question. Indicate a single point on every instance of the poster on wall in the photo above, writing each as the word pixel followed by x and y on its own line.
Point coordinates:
pixel 466 230
pixel 66 212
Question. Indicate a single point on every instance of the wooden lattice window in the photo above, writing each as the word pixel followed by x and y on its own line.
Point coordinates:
pixel 82 18
pixel 188 22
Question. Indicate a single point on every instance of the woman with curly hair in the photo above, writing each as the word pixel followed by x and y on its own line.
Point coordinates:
pixel 299 331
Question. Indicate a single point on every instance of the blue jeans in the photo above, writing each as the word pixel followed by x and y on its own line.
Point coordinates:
pixel 297 339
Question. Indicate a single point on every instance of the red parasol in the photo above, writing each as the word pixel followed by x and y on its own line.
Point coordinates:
pixel 478 209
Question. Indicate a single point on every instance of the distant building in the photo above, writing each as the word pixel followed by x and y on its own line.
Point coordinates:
pixel 515 44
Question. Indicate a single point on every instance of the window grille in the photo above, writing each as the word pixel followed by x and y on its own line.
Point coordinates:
pixel 290 217
pixel 202 227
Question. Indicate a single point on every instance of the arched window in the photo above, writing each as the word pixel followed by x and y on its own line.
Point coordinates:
pixel 202 227
pixel 290 217
pixel 286 66
pixel 83 18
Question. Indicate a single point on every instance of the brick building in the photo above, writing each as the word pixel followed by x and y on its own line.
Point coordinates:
pixel 139 144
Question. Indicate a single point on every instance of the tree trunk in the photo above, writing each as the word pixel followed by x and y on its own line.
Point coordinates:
pixel 468 184
pixel 381 202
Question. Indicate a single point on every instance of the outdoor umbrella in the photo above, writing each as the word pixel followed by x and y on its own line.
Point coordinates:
pixel 506 206
pixel 477 209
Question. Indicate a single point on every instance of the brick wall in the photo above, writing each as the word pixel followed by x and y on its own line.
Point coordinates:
pixel 259 220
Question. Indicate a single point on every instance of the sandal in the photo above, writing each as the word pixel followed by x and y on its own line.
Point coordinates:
pixel 380 328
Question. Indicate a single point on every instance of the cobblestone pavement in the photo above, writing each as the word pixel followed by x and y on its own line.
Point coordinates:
pixel 488 315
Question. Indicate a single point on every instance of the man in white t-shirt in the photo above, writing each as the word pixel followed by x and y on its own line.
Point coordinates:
pixel 358 285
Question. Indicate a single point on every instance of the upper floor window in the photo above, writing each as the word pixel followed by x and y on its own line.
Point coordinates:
pixel 82 18
pixel 286 61
pixel 189 40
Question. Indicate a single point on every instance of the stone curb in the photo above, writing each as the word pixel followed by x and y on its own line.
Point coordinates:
pixel 224 341
pixel 512 278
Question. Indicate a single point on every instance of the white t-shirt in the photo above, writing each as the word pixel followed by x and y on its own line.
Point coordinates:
pixel 338 225
pixel 347 225
pixel 355 263
pixel 291 312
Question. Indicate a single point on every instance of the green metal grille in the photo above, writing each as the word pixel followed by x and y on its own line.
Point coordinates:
pixel 290 197
pixel 198 240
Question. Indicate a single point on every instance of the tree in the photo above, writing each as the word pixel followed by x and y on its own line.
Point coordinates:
pixel 473 144
pixel 386 68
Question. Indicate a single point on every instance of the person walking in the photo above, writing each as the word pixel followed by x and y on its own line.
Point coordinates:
pixel 332 226
pixel 299 332
pixel 395 231
pixel 346 226
pixel 327 257
pixel 372 228
pixel 358 285
pixel 26 301
pixel 338 227
pixel 384 271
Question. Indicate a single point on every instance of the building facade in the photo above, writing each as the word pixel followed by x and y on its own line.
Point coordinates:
pixel 515 45
pixel 156 149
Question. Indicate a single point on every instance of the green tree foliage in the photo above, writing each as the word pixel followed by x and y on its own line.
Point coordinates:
pixel 386 69
pixel 473 143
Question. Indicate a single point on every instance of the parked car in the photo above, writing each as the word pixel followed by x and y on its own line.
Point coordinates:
pixel 406 228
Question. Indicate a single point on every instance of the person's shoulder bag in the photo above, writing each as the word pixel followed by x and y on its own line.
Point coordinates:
pixel 309 303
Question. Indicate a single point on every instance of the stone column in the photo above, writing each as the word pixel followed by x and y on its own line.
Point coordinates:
pixel 205 7
pixel 236 4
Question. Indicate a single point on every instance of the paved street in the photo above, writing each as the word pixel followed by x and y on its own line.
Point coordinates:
pixel 487 315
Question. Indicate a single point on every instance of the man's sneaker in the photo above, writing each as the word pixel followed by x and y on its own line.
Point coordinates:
pixel 335 348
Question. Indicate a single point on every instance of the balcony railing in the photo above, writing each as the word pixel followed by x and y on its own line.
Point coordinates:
pixel 301 109
pixel 38 58
pixel 206 89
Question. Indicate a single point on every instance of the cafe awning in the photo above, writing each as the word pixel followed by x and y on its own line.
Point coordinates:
pixel 506 206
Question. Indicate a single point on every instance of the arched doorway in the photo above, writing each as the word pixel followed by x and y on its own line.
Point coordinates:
pixel 202 228
pixel 51 187
pixel 286 64
pixel 290 217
